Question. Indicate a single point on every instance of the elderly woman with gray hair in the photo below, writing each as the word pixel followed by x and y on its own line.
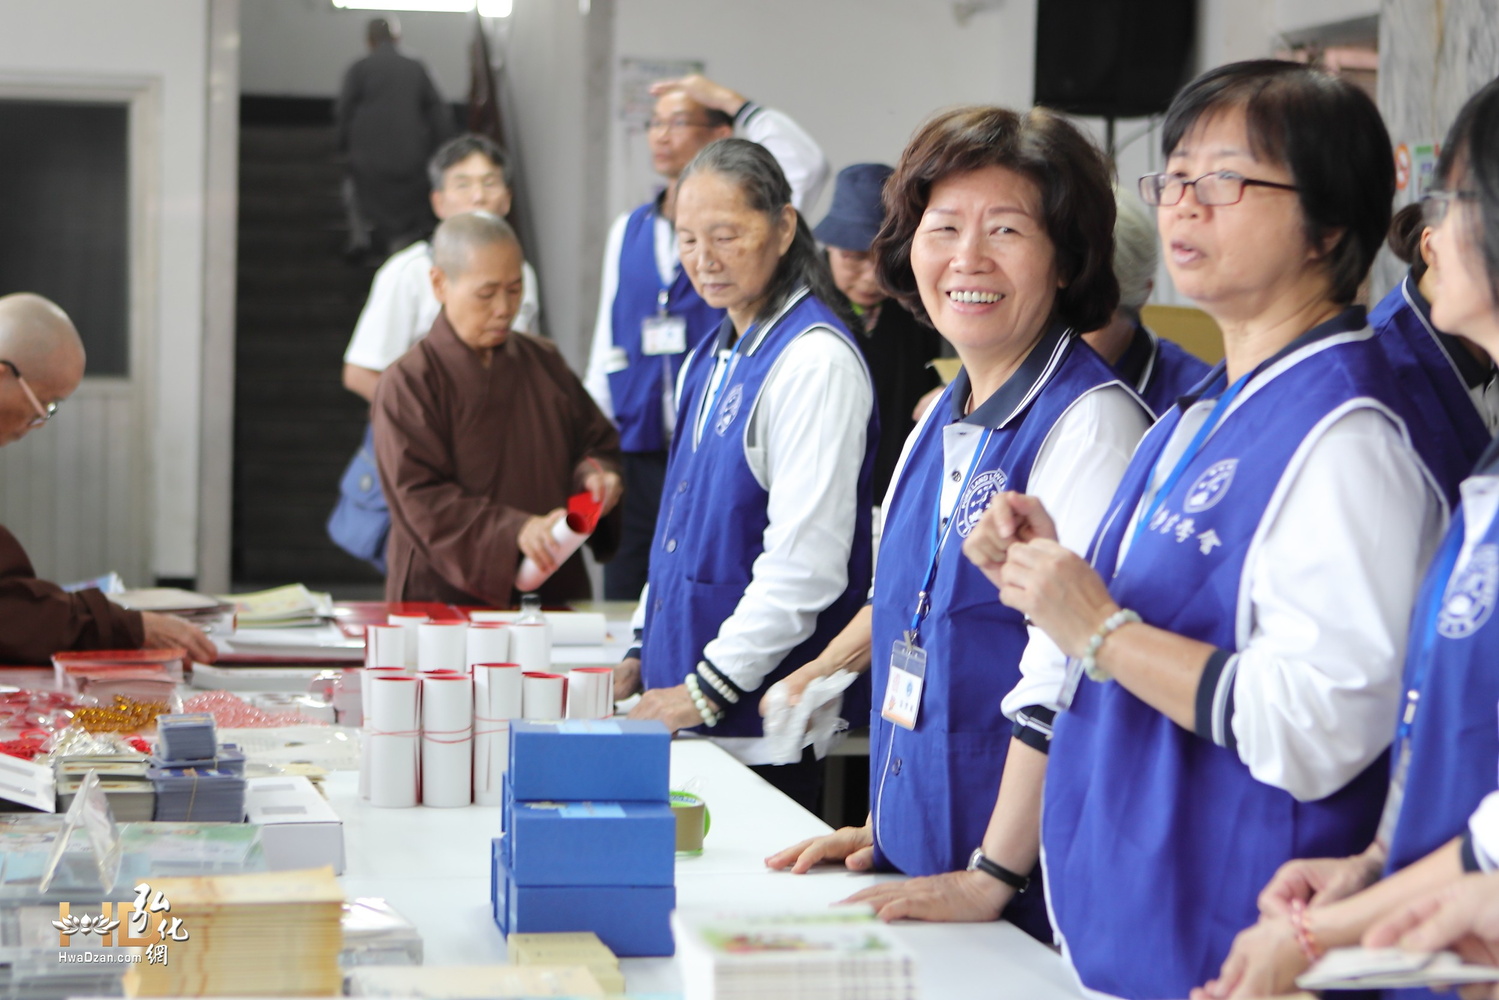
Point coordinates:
pixel 1160 371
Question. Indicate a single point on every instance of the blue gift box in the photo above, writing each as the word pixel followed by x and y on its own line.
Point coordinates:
pixel 589 760
pixel 632 921
pixel 591 843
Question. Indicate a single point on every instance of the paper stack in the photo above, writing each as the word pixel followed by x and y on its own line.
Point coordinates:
pixel 276 933
pixel 578 948
pixel 839 954
pixel 291 606
pixel 590 838
pixel 198 795
pixel 138 674
pixel 1393 969
pixel 186 739
pixel 472 982
pixel 213 615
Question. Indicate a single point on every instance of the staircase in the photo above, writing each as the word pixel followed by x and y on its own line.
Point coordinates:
pixel 295 425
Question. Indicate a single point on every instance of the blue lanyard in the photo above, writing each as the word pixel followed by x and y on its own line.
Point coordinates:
pixel 924 597
pixel 1193 447
pixel 728 370
pixel 1431 610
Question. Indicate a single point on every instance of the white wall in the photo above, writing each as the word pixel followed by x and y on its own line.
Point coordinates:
pixel 300 48
pixel 859 75
pixel 164 42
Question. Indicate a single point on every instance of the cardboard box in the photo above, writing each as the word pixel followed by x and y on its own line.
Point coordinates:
pixel 590 760
pixel 298 827
pixel 632 921
pixel 591 843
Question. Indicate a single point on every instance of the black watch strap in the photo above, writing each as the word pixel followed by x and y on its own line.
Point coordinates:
pixel 979 863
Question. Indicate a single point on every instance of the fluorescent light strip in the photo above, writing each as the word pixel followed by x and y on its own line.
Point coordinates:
pixel 487 8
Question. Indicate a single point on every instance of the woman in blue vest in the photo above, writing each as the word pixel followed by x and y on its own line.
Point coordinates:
pixel 1446 746
pixel 1238 636
pixel 762 546
pixel 998 232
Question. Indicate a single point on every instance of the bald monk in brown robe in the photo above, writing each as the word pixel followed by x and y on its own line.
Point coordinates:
pixel 481 435
pixel 41 363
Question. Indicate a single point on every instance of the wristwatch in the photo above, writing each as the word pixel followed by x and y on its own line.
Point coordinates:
pixel 978 863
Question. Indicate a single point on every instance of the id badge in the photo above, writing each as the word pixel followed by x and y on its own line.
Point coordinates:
pixel 1396 795
pixel 903 691
pixel 662 334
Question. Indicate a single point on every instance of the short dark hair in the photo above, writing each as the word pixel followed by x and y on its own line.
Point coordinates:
pixel 1472 145
pixel 1070 171
pixel 383 29
pixel 765 189
pixel 1404 239
pixel 455 151
pixel 1326 132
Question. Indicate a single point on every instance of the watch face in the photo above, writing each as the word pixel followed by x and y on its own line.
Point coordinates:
pixel 973 859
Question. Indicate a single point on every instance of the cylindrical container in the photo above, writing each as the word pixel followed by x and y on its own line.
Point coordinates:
pixel 447 740
pixel 590 692
pixel 529 646
pixel 497 700
pixel 394 748
pixel 367 686
pixel 409 623
pixel 384 646
pixel 442 646
pixel 542 695
pixel 691 814
pixel 486 644
pixel 569 533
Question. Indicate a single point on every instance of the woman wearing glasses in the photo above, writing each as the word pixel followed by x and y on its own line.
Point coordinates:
pixel 1239 632
pixel 1445 740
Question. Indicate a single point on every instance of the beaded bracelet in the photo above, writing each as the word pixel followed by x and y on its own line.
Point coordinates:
pixel 1305 939
pixel 710 717
pixel 706 672
pixel 1090 658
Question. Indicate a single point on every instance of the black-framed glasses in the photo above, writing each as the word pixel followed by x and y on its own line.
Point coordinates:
pixel 1221 187
pixel 44 411
pixel 674 124
pixel 1434 204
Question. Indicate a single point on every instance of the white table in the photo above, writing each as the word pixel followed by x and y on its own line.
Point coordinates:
pixel 433 866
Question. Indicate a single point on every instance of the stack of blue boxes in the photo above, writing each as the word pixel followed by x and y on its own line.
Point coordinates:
pixel 590 839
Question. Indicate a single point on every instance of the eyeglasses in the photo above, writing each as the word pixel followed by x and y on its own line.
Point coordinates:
pixel 1434 204
pixel 1221 187
pixel 673 124
pixel 43 412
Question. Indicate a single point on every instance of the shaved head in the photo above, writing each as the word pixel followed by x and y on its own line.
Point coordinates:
pixel 37 342
pixel 456 239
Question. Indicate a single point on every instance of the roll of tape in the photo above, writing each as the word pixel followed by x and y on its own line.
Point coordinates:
pixel 693 822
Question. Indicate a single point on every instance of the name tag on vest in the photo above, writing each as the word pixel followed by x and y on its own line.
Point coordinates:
pixel 663 335
pixel 903 691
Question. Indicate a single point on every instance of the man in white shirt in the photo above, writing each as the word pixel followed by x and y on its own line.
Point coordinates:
pixel 649 315
pixel 467 174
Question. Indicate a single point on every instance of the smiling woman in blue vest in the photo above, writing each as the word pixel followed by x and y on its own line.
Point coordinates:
pixel 1445 740
pixel 762 545
pixel 1238 636
pixel 999 232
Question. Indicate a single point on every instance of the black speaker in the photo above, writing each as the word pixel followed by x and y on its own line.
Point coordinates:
pixel 1113 58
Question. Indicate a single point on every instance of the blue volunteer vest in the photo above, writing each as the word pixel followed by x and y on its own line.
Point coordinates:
pixel 1453 662
pixel 636 390
pixel 712 522
pixel 1445 425
pixel 932 788
pixel 1174 374
pixel 1156 841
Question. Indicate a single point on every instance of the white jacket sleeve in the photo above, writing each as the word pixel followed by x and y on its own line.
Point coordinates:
pixel 801 159
pixel 596 380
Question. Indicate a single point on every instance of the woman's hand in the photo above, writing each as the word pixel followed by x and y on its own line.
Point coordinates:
pixel 853 845
pixel 605 487
pixel 1010 519
pixel 795 683
pixel 1058 591
pixel 1264 961
pixel 672 706
pixel 1463 916
pixel 626 678
pixel 1316 882
pixel 961 897
pixel 161 631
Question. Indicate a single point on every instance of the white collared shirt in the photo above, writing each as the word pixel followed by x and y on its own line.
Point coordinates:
pixel 402 307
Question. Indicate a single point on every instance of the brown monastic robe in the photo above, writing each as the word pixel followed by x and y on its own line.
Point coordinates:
pixel 468 453
pixel 38 618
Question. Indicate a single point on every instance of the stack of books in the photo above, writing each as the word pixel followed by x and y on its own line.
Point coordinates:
pixel 124 778
pixel 590 837
pixel 276 933
pixel 291 606
pixel 578 948
pixel 213 615
pixel 838 954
